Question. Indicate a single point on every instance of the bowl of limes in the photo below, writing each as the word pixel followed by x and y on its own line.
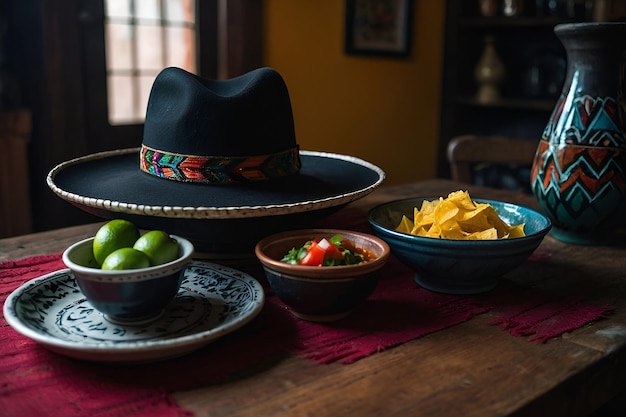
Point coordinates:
pixel 128 276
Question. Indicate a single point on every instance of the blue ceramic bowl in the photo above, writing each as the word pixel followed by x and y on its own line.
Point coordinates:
pixel 320 293
pixel 459 266
pixel 127 296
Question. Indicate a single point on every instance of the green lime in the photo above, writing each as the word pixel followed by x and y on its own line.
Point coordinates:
pixel 159 246
pixel 126 258
pixel 114 235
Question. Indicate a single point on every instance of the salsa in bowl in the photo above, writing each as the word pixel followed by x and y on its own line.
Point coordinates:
pixel 316 292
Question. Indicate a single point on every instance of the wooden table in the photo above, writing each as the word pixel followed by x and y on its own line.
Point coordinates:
pixel 471 369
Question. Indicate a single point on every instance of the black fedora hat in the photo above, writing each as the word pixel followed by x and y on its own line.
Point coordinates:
pixel 219 164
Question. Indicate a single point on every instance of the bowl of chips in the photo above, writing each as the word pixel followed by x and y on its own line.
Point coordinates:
pixel 457 245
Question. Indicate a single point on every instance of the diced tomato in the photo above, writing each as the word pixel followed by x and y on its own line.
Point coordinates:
pixel 331 250
pixel 314 256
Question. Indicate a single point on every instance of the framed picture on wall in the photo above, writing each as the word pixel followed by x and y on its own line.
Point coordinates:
pixel 378 27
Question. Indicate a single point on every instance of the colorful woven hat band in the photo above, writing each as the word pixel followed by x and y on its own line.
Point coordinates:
pixel 219 169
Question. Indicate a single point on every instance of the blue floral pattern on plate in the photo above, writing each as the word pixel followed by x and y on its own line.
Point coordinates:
pixel 213 300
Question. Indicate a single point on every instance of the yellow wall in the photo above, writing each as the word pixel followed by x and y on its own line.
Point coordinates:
pixel 383 110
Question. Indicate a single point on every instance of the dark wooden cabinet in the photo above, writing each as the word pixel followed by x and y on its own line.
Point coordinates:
pixel 534 62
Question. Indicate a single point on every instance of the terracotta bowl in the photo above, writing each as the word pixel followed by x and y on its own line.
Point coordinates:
pixel 124 296
pixel 320 293
pixel 459 266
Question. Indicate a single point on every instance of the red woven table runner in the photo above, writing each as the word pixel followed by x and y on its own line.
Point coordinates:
pixel 36 382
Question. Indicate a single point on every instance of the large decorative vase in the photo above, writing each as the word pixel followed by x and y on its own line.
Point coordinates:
pixel 579 171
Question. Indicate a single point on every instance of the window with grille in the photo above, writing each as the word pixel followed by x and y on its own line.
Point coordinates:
pixel 142 37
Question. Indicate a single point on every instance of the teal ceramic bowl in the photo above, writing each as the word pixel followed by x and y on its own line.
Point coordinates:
pixel 459 266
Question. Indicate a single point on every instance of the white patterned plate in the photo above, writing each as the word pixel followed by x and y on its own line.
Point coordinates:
pixel 213 300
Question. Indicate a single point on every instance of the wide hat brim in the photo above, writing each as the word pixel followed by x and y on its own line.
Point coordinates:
pixel 218 218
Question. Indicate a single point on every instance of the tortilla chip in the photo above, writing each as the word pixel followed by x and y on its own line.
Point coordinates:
pixel 405 226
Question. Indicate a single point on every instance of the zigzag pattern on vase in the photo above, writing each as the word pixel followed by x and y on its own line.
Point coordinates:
pixel 590 121
pixel 584 184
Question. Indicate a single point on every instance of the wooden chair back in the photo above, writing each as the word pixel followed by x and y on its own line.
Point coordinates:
pixel 467 150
